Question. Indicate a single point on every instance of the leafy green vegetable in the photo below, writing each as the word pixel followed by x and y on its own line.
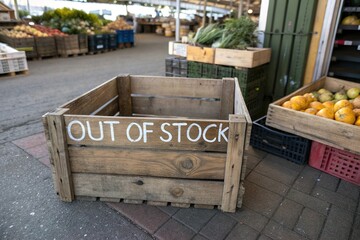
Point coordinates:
pixel 234 33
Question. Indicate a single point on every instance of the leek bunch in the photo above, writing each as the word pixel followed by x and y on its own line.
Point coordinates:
pixel 234 34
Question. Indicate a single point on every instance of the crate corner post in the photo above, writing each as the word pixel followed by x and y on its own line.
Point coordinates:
pixel 54 122
pixel 233 165
pixel 124 92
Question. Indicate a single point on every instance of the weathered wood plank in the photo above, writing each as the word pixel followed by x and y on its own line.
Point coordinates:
pixel 169 134
pixel 173 164
pixel 200 54
pixel 178 87
pixel 133 201
pixel 59 152
pixel 182 107
pixel 108 109
pixel 115 200
pixel 148 188
pixel 157 203
pixel 89 102
pixel 241 109
pixel 235 152
pixel 50 149
pixel 227 98
pixel 124 90
pixel 204 206
pixel 252 57
pixel 180 205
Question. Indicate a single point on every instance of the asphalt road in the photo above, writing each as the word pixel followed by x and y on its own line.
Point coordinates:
pixel 29 208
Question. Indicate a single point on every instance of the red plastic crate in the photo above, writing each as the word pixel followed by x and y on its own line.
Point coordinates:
pixel 339 163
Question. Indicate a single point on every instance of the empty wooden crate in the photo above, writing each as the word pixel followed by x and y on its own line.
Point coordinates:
pixel 153 140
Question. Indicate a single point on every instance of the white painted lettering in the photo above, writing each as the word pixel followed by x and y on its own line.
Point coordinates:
pixel 188 132
pixel 205 131
pixel 221 133
pixel 166 132
pixel 71 136
pixel 101 131
pixel 146 131
pixel 128 132
pixel 111 124
pixel 179 125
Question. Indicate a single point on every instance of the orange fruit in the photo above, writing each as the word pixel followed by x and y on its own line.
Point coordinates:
pixel 345 115
pixel 326 113
pixel 287 104
pixel 312 111
pixel 310 97
pixel 298 102
pixel 357 122
pixel 317 105
pixel 329 104
pixel 341 104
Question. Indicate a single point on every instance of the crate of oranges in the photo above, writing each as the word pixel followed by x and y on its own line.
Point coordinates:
pixel 327 111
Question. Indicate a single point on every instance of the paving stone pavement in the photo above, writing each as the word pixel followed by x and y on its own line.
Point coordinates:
pixel 282 201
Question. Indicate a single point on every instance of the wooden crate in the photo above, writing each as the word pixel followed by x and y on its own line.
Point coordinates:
pixel 157 140
pixel 46 46
pixel 83 43
pixel 67 45
pixel 330 132
pixel 22 44
pixel 200 54
pixel 252 57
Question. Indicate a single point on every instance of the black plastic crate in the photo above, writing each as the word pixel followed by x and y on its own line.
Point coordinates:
pixel 96 42
pixel 112 41
pixel 286 145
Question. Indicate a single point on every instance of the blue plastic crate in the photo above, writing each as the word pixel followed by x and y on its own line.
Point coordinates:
pixel 125 36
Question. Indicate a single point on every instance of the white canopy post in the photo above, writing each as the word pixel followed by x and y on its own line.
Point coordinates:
pixel 177 25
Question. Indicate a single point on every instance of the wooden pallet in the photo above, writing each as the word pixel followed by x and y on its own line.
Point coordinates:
pixel 125 45
pixel 12 74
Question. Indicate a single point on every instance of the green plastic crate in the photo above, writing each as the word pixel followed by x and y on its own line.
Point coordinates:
pixel 224 72
pixel 194 69
pixel 209 70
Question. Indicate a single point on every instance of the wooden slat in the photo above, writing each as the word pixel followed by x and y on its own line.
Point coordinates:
pixel 50 149
pixel 108 109
pixel 92 100
pixel 180 205
pixel 227 98
pixel 182 107
pixel 132 201
pixel 235 152
pixel 124 90
pixel 157 203
pixel 178 87
pixel 116 200
pixel 56 125
pixel 204 206
pixel 148 188
pixel 119 137
pixel 241 109
pixel 200 54
pixel 250 58
pixel 315 42
pixel 173 164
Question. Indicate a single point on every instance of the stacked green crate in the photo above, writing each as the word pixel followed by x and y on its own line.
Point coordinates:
pixel 195 69
pixel 209 70
pixel 252 83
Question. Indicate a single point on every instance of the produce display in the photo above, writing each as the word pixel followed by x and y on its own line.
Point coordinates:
pixel 351 20
pixel 342 106
pixel 71 21
pixel 118 24
pixel 23 31
pixel 233 33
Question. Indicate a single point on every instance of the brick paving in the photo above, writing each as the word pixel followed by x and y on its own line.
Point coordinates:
pixel 282 201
